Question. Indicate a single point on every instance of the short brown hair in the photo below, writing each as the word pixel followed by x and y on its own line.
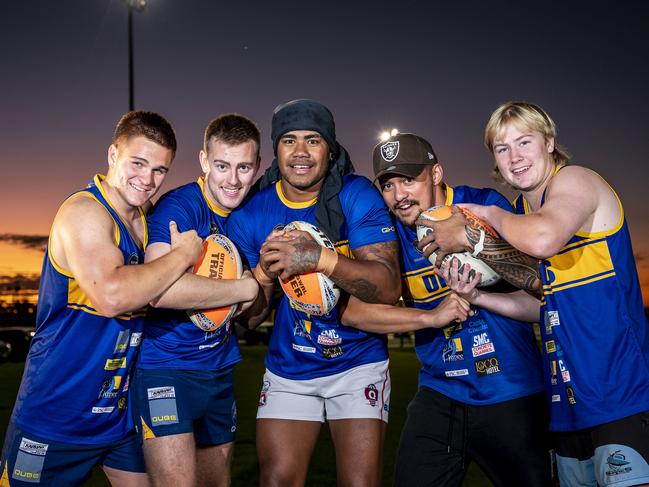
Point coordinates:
pixel 232 129
pixel 523 115
pixel 147 124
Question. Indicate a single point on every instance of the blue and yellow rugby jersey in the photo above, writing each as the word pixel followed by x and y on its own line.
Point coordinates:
pixel 304 346
pixel 488 358
pixel 76 379
pixel 594 330
pixel 171 340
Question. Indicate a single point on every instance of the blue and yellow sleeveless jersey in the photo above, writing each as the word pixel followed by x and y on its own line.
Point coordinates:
pixel 303 346
pixel 171 340
pixel 594 330
pixel 488 358
pixel 75 385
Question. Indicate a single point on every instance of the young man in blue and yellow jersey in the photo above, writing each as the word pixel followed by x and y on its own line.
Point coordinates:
pixel 183 387
pixel 316 368
pixel 71 411
pixel 594 330
pixel 480 388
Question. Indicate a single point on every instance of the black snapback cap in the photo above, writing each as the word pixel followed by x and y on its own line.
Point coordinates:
pixel 403 154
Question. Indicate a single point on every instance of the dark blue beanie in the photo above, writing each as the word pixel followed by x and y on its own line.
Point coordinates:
pixel 304 115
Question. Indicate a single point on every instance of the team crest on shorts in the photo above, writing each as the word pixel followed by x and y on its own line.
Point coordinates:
pixel 390 150
pixel 372 395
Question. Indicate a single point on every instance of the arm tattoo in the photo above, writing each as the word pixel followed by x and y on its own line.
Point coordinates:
pixel 366 289
pixel 514 266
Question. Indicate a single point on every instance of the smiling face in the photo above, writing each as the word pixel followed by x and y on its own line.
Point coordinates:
pixel 303 157
pixel 137 167
pixel 229 171
pixel 407 197
pixel 523 157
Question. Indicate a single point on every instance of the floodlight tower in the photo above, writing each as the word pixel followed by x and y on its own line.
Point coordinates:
pixel 139 6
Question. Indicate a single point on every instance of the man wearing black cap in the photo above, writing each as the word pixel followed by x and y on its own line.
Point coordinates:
pixel 316 368
pixel 480 385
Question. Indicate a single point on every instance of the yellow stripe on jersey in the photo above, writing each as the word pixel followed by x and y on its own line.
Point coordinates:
pixel 422 286
pixel 210 203
pixel 78 300
pixel 293 204
pixel 147 434
pixel 577 264
pixel 4 480
pixel 342 247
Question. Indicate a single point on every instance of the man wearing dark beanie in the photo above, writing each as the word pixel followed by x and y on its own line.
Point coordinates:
pixel 316 368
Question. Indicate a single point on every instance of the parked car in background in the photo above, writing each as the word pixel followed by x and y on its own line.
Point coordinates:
pixel 17 339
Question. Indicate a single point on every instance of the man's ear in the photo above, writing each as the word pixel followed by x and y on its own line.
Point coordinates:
pixel 437 173
pixel 112 155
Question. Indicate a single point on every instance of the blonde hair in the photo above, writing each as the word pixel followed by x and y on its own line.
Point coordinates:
pixel 523 115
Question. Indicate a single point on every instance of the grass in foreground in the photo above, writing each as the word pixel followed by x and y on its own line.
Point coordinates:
pixel 404 367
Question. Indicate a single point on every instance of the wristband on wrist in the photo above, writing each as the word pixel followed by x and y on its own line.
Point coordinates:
pixel 261 276
pixel 327 262
pixel 479 246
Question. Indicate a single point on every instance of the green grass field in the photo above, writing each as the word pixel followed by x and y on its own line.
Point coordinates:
pixel 403 369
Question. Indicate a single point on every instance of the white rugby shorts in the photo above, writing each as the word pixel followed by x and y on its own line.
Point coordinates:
pixel 361 392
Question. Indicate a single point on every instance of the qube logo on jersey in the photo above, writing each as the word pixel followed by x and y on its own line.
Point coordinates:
pixel 482 345
pixel 372 395
pixel 329 337
pixel 487 366
pixel 29 461
pixel 452 351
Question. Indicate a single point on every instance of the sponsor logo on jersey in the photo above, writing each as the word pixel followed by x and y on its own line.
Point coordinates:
pixel 556 398
pixel 617 463
pixel 161 392
pixel 103 410
pixel 110 387
pixel 550 346
pixel 565 373
pixel 332 352
pixel 456 372
pixel 300 329
pixel 551 319
pixel 136 339
pixel 487 366
pixel 115 363
pixel 452 351
pixel 121 403
pixel 553 376
pixel 570 393
pixel 482 345
pixel 371 394
pixel 122 341
pixel 33 447
pixel 477 326
pixel 263 395
pixel 133 259
pixel 329 337
pixel 450 330
pixel 303 349
pixel 387 229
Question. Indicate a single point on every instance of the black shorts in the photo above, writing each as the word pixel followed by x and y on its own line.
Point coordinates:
pixel 509 441
pixel 615 453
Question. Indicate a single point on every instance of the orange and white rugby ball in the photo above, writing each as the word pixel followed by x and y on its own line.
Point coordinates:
pixel 219 260
pixel 442 212
pixel 313 293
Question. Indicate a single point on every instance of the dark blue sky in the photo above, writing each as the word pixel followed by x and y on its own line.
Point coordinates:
pixel 430 67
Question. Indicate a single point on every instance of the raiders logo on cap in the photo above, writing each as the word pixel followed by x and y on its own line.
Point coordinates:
pixel 390 150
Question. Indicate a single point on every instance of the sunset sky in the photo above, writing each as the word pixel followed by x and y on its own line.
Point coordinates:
pixel 434 68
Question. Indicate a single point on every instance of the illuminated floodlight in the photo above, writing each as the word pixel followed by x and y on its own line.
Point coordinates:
pixel 385 136
pixel 394 132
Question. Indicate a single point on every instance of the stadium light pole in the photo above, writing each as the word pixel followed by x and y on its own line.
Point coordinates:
pixel 139 6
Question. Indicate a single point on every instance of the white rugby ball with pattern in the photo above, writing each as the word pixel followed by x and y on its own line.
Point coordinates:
pixel 442 212
pixel 313 293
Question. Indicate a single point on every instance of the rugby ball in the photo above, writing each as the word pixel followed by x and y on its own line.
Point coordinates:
pixel 313 293
pixel 219 260
pixel 442 212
